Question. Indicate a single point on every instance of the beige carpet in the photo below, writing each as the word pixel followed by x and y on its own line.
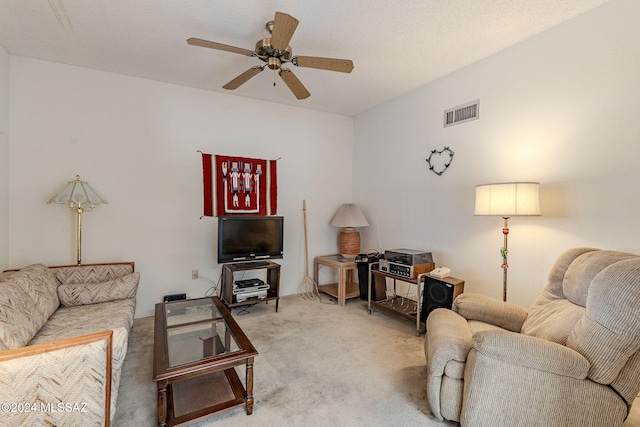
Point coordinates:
pixel 319 364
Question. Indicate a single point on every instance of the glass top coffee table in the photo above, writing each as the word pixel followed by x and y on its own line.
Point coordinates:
pixel 197 345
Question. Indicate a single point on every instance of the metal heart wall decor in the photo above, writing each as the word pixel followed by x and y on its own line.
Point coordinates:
pixel 439 160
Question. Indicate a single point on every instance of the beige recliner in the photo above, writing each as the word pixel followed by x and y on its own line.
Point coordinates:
pixel 572 359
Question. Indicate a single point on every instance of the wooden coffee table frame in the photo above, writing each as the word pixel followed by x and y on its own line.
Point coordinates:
pixel 203 380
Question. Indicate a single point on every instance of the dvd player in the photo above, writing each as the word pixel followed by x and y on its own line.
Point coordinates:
pixel 238 291
pixel 259 294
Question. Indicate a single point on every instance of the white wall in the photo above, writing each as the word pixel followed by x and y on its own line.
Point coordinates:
pixel 135 141
pixel 4 158
pixel 560 108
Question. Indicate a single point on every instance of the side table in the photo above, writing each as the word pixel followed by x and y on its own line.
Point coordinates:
pixel 345 288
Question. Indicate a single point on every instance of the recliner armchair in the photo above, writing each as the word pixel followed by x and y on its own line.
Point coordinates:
pixel 572 359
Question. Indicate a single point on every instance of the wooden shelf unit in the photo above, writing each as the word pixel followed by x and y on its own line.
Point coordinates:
pixel 406 307
pixel 273 280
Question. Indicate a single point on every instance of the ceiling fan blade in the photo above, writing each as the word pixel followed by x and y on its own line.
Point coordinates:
pixel 294 84
pixel 243 78
pixel 331 64
pixel 213 45
pixel 283 28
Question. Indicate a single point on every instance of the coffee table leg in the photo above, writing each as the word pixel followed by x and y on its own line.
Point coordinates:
pixel 162 406
pixel 249 381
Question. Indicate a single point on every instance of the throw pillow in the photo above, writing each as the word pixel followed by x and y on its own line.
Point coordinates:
pixel 72 294
pixel 27 298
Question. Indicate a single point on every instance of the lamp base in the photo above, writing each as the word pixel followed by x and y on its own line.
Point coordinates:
pixel 349 242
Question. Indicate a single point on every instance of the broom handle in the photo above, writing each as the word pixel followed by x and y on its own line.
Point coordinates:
pixel 306 247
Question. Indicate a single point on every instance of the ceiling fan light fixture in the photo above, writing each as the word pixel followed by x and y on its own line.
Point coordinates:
pixel 264 50
pixel 274 63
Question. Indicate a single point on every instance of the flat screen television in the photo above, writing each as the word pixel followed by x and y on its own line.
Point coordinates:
pixel 249 238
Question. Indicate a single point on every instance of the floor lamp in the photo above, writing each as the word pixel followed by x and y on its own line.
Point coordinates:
pixel 80 197
pixel 507 199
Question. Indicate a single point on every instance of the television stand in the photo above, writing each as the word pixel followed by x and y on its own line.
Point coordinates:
pixel 252 264
pixel 272 279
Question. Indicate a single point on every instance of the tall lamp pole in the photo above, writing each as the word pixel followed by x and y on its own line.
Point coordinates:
pixel 504 251
pixel 506 200
pixel 80 197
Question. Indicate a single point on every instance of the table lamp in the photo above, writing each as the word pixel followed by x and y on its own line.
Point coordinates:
pixel 506 200
pixel 80 197
pixel 348 217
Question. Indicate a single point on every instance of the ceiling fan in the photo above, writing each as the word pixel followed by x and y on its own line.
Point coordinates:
pixel 275 52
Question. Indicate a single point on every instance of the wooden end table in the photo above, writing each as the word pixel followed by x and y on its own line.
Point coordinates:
pixel 197 345
pixel 345 288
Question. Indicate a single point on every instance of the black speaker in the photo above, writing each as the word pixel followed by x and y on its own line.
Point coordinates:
pixel 377 283
pixel 436 294
pixel 174 297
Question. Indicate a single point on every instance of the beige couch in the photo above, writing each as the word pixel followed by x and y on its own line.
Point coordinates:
pixel 572 359
pixel 63 340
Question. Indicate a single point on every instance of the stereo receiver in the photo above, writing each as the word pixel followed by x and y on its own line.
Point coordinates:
pixel 406 271
pixel 406 263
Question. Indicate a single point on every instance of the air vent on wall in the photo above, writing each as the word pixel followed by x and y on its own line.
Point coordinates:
pixel 462 113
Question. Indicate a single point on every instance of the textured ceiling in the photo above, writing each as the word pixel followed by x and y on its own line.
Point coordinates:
pixel 396 46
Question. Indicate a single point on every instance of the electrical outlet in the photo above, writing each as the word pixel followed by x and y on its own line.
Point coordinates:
pixel 194 274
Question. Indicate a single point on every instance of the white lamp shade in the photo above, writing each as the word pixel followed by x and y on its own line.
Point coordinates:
pixel 349 215
pixel 78 193
pixel 508 199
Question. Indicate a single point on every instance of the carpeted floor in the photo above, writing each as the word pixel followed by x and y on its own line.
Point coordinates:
pixel 319 364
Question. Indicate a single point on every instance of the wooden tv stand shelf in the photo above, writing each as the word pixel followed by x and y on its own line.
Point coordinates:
pixel 273 280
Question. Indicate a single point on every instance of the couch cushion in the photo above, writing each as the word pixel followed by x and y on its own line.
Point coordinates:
pixel 559 269
pixel 608 335
pixel 92 273
pixel 578 277
pixel 552 319
pixel 16 326
pixel 72 294
pixel 27 299
pixel 68 322
pixel 6 274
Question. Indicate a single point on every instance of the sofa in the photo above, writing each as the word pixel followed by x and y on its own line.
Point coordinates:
pixel 63 339
pixel 571 359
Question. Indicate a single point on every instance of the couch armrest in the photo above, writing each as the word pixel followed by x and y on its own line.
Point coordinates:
pixel 489 310
pixel 448 339
pixel 514 379
pixel 65 382
pixel 531 352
